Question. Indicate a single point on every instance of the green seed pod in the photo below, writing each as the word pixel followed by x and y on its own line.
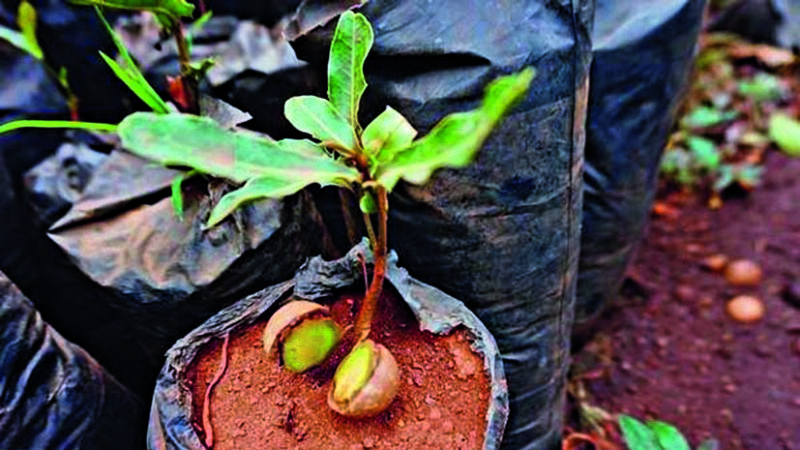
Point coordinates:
pixel 304 335
pixel 365 382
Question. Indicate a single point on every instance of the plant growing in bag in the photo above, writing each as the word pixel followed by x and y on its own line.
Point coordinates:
pixel 370 161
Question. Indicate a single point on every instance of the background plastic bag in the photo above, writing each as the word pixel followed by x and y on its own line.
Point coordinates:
pixel 775 22
pixel 171 415
pixel 165 273
pixel 53 395
pixel 643 54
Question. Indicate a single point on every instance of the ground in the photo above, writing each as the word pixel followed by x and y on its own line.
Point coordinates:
pixel 669 351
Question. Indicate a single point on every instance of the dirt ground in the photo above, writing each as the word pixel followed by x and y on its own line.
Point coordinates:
pixel 669 351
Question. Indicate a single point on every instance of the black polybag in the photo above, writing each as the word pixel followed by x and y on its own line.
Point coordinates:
pixel 32 261
pixel 171 414
pixel 167 273
pixel 774 22
pixel 643 54
pixel 54 395
pixel 501 235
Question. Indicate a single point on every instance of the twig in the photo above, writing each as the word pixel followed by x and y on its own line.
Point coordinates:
pixel 207 430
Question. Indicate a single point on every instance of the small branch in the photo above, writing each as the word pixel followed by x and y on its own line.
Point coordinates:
pixel 370 228
pixel 188 80
pixel 370 303
pixel 223 365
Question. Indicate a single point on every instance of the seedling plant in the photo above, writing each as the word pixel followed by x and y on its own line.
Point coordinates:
pixel 657 435
pixel 368 161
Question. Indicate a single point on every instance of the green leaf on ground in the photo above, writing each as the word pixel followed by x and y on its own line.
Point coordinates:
pixel 637 435
pixel 129 72
pixel 705 153
pixel 762 87
pixel 172 8
pixel 25 39
pixel 454 142
pixel 319 118
pixel 667 436
pixel 346 83
pixel 390 131
pixel 785 132
pixel 704 117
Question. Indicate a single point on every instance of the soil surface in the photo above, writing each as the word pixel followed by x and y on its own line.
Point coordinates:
pixel 669 350
pixel 442 400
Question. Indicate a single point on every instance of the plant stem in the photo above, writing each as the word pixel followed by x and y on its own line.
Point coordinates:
pixel 379 244
pixel 190 88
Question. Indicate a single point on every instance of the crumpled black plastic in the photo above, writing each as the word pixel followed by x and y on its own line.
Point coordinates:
pixel 774 22
pixel 171 415
pixel 164 273
pixel 53 395
pixel 643 54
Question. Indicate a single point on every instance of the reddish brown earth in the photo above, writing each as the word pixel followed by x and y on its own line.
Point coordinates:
pixel 442 401
pixel 669 351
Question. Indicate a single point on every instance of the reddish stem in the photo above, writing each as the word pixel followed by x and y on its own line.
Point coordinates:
pixel 370 303
pixel 188 80
pixel 223 365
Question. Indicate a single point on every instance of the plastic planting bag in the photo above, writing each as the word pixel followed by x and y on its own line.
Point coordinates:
pixel 171 416
pixel 167 273
pixel 53 395
pixel 501 235
pixel 643 54
pixel 775 22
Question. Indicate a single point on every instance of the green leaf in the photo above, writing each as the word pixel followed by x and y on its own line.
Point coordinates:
pixel 390 130
pixel 172 8
pixel 368 204
pixel 705 152
pixel 318 117
pixel 255 189
pixel 26 19
pixel 129 72
pixel 704 117
pixel 26 39
pixel 637 435
pixel 785 131
pixel 203 145
pixel 177 196
pixel 763 87
pixel 351 44
pixel 725 178
pixel 455 140
pixel 667 436
pixel 90 126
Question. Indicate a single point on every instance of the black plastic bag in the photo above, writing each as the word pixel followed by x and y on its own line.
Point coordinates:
pixel 501 235
pixel 774 22
pixel 166 273
pixel 643 54
pixel 53 395
pixel 171 415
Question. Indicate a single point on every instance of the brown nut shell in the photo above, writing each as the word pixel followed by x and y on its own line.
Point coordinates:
pixel 287 317
pixel 743 272
pixel 377 393
pixel 746 309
